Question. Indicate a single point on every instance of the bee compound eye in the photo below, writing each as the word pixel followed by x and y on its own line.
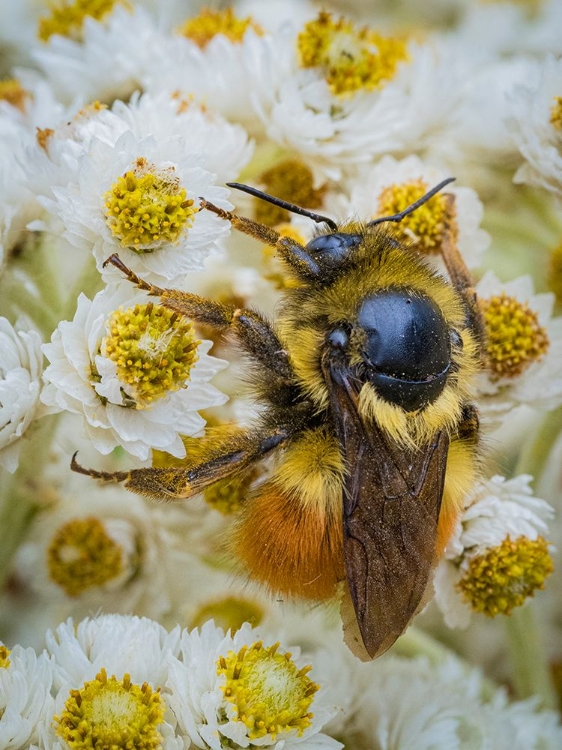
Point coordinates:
pixel 332 247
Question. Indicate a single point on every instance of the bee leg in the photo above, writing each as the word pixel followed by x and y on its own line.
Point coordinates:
pixel 228 458
pixel 301 262
pixel 461 278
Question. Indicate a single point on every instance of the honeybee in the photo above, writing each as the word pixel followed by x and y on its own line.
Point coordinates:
pixel 366 379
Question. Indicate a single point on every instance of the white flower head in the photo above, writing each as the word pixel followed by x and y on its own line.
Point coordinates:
pixel 141 403
pixel 21 365
pixel 391 186
pixel 498 555
pixel 523 349
pixel 25 695
pixel 537 128
pixel 109 675
pixel 140 198
pixel 232 690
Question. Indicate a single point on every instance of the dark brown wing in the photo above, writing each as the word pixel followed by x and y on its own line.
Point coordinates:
pixel 392 499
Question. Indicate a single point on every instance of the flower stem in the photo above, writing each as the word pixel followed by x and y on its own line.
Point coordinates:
pixel 536 451
pixel 531 674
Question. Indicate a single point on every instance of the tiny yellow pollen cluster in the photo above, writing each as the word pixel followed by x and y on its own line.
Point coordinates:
pixel 4 656
pixel 351 59
pixel 554 276
pixel 504 576
pixel 82 555
pixel 209 23
pixel 556 114
pixel 67 16
pixel 425 227
pixel 147 208
pixel 228 613
pixel 293 181
pixel 514 337
pixel 13 92
pixel 274 271
pixel 154 350
pixel 112 714
pixel 269 693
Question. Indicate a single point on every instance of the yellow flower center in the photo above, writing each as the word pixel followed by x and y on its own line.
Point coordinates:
pixel 504 576
pixel 154 350
pixel 514 337
pixel 292 181
pixel 209 23
pixel 67 16
pixel 425 227
pixel 554 278
pixel 228 495
pixel 556 114
pixel 350 59
pixel 269 693
pixel 111 714
pixel 147 208
pixel 229 613
pixel 4 654
pixel 82 555
pixel 274 270
pixel 12 91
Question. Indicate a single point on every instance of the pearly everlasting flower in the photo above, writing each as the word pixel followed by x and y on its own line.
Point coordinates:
pixel 141 403
pixel 498 555
pixel 523 348
pixel 391 186
pixel 140 198
pixel 21 364
pixel 232 690
pixel 109 678
pixel 25 695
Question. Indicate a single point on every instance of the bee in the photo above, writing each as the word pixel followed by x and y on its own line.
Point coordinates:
pixel 366 380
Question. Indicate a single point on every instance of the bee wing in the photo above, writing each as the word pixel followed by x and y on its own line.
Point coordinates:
pixel 391 504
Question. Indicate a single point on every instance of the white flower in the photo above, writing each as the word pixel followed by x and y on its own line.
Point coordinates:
pixel 87 375
pixel 498 512
pixel 141 198
pixel 275 704
pixel 21 363
pixel 25 698
pixel 389 177
pixel 104 663
pixel 523 349
pixel 537 128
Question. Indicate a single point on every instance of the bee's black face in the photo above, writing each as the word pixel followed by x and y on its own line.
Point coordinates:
pixel 329 250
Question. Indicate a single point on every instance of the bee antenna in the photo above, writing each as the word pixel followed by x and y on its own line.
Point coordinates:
pixel 414 206
pixel 284 204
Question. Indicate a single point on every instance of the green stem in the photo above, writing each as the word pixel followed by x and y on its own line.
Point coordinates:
pixel 536 451
pixel 531 675
pixel 89 282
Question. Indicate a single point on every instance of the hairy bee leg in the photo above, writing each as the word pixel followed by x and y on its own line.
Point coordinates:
pixel 461 278
pixel 301 262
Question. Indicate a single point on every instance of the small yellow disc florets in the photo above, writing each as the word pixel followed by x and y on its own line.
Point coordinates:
pixel 229 613
pixel 556 114
pixel 154 350
pixel 13 92
pixel 111 714
pixel 351 59
pixel 67 16
pixel 514 337
pixel 504 576
pixel 269 693
pixel 4 656
pixel 292 181
pixel 82 555
pixel 554 278
pixel 209 23
pixel 147 208
pixel 425 227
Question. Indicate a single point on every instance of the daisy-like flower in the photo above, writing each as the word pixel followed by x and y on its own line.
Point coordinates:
pixel 25 695
pixel 109 678
pixel 498 555
pixel 523 349
pixel 234 691
pixel 134 371
pixel 140 198
pixel 21 365
pixel 537 128
pixel 391 186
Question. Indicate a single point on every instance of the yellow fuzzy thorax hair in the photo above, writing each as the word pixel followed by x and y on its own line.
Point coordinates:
pixel 379 264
